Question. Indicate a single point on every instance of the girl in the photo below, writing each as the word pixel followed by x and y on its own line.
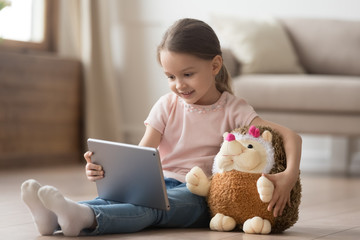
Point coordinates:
pixel 186 126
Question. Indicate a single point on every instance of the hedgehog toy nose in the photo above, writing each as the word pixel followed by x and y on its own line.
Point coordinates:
pixel 230 137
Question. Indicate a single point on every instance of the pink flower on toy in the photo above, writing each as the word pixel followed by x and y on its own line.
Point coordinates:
pixel 254 131
pixel 230 137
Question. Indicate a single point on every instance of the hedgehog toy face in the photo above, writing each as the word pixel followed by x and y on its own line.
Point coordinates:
pixel 250 153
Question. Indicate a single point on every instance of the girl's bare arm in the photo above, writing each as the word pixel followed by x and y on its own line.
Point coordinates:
pixel 151 138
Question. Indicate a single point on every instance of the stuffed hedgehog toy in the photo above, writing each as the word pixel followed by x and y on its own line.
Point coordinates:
pixel 237 193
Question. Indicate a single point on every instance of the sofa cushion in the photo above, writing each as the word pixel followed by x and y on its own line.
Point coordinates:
pixel 260 44
pixel 326 46
pixel 300 92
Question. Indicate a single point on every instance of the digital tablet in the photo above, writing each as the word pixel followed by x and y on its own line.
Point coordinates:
pixel 132 174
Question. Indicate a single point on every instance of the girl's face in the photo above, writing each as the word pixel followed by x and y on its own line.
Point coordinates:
pixel 190 77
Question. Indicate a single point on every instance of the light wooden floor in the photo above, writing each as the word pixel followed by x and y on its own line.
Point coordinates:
pixel 330 208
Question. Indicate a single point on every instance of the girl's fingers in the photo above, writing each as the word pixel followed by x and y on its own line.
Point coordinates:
pixel 276 209
pixel 92 166
pixel 87 156
pixel 92 173
pixel 273 201
pixel 276 205
pixel 280 206
pixel 95 178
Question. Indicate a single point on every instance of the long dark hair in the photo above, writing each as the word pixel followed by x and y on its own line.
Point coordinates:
pixel 197 38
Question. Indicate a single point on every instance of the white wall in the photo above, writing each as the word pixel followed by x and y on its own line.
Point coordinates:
pixel 144 21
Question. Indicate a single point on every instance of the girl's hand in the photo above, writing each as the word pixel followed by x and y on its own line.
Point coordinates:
pixel 283 183
pixel 93 171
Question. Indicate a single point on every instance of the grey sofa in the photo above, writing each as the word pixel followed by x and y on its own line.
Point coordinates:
pixel 325 99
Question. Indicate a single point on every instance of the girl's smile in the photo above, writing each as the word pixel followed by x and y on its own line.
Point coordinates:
pixel 187 94
pixel 190 77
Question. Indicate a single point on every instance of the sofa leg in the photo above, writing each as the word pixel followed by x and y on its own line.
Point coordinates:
pixel 340 154
pixel 343 152
pixel 352 153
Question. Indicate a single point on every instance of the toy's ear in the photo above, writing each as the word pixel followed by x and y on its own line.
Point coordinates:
pixel 225 135
pixel 267 136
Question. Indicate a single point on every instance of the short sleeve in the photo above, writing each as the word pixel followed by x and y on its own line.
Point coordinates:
pixel 159 114
pixel 249 115
pixel 241 111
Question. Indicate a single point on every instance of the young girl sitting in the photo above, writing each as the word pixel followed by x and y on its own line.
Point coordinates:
pixel 186 126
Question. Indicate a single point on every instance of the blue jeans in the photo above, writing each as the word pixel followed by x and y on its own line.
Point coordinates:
pixel 186 210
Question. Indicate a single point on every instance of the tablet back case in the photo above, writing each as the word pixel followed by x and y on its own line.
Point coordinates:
pixel 133 174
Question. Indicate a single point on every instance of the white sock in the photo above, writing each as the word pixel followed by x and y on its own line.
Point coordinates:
pixel 45 220
pixel 72 216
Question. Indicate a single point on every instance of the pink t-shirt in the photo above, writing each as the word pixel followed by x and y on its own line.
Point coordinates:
pixel 192 134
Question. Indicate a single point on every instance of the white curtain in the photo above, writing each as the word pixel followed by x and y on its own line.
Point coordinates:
pixel 85 33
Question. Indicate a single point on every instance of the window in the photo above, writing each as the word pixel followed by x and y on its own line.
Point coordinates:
pixel 28 25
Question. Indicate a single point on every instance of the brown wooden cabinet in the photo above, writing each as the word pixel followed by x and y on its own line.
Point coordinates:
pixel 40 110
